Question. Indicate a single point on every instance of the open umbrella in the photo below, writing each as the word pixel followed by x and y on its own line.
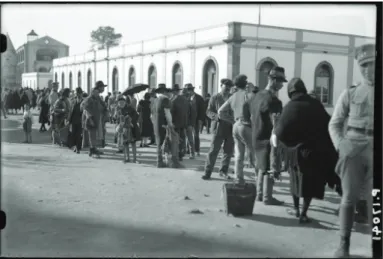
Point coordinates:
pixel 135 89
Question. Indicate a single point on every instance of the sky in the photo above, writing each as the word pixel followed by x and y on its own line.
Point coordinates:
pixel 73 23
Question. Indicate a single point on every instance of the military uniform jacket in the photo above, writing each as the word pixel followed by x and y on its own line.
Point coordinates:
pixel 216 101
pixel 356 106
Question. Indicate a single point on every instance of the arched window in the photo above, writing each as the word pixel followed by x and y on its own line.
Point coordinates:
pixel 79 79
pixel 210 74
pixel 89 80
pixel 70 80
pixel 177 76
pixel 56 77
pixel 115 80
pixel 62 80
pixel 324 77
pixel 152 76
pixel 132 76
pixel 263 70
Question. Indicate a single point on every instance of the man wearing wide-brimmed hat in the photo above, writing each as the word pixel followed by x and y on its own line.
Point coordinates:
pixel 264 106
pixel 222 132
pixel 179 111
pixel 355 107
pixel 161 116
pixel 198 102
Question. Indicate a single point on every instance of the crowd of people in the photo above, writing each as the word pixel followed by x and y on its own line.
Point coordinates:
pixel 316 149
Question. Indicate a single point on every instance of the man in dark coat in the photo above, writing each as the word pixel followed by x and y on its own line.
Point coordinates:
pixel 264 105
pixel 222 132
pixel 75 121
pixel 161 116
pixel 198 102
pixel 192 113
pixel 179 111
pixel 311 156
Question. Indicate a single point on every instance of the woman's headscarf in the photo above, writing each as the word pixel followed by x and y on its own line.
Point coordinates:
pixel 296 85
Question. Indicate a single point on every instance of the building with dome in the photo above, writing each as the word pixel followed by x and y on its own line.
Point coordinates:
pixel 32 62
pixel 324 60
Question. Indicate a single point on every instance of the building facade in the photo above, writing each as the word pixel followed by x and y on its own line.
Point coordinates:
pixel 8 66
pixel 325 61
pixel 36 56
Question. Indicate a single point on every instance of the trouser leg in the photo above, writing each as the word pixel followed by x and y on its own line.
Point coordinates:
pixel 160 138
pixel 211 157
pixel 228 149
pixel 196 138
pixel 239 150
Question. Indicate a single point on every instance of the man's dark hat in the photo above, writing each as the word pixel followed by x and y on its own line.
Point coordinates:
pixel 79 90
pixel 55 83
pixel 99 84
pixel 189 86
pixel 227 82
pixel 278 73
pixel 176 87
pixel 162 88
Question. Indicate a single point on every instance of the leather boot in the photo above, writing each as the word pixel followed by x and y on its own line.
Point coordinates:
pixel 268 198
pixel 346 218
pixel 260 186
pixel 361 212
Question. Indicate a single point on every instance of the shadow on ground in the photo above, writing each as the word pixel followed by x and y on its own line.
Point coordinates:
pixel 36 233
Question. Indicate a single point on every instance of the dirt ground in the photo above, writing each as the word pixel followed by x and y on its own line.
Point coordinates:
pixel 62 204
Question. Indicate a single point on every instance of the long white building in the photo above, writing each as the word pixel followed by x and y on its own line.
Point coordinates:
pixel 325 61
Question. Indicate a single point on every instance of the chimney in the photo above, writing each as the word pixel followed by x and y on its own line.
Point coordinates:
pixel 32 36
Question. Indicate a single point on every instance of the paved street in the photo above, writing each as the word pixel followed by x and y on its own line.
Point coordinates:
pixel 59 203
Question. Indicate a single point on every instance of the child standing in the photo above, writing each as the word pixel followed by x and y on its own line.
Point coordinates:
pixel 27 124
pixel 125 138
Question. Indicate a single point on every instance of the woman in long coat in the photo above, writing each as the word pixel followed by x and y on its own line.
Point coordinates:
pixel 145 122
pixel 310 155
pixel 91 121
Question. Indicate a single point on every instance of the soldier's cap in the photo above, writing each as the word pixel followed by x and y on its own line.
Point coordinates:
pixel 227 82
pixel 55 84
pixel 240 80
pixel 278 73
pixel 365 53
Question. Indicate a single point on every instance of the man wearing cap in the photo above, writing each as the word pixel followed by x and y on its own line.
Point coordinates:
pixel 75 115
pixel 236 111
pixel 264 106
pixel 198 102
pixel 355 147
pixel 179 111
pixel 153 96
pixel 222 130
pixel 161 116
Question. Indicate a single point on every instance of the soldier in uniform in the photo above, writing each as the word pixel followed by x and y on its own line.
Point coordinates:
pixel 222 130
pixel 355 107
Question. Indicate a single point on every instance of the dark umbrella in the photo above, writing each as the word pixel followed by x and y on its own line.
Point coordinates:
pixel 135 89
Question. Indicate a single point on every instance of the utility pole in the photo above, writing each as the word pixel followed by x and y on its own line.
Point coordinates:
pixel 256 46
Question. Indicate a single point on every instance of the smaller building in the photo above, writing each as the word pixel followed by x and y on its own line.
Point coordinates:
pixel 37 55
pixel 38 80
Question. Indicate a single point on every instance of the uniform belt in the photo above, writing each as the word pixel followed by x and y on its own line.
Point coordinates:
pixel 368 132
